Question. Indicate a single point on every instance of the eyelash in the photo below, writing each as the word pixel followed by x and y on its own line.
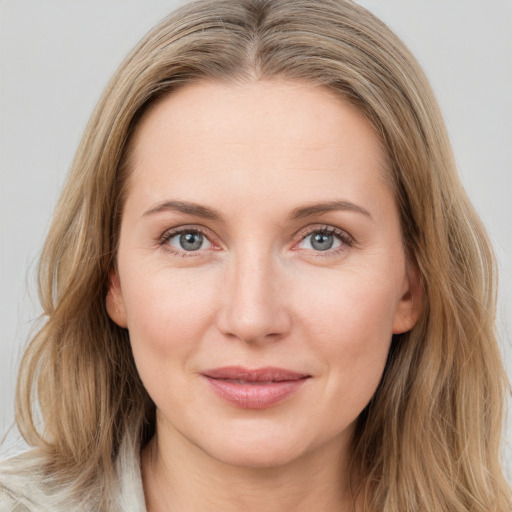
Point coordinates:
pixel 168 235
pixel 345 239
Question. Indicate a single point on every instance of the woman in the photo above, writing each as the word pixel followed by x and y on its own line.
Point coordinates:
pixel 264 285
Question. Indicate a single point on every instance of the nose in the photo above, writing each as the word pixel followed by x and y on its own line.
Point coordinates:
pixel 254 301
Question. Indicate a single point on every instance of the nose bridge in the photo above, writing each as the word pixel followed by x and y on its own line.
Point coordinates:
pixel 254 309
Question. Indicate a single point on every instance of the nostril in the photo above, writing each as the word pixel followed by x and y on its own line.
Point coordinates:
pixel 273 325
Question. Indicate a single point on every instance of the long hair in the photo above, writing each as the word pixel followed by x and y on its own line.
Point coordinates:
pixel 430 438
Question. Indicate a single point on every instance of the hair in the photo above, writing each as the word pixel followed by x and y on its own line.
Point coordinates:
pixel 429 440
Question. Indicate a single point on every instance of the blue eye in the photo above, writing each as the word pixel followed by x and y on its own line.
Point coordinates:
pixel 322 240
pixel 189 241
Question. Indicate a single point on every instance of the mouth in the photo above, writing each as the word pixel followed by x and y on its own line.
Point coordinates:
pixel 254 388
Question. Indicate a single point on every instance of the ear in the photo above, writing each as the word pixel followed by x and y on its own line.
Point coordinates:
pixel 410 305
pixel 114 300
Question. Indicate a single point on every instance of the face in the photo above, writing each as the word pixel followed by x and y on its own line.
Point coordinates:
pixel 261 271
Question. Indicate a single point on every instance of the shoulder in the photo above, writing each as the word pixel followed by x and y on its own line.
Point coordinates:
pixel 10 504
pixel 15 489
pixel 24 487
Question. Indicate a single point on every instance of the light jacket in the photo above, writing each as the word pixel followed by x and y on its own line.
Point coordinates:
pixel 23 489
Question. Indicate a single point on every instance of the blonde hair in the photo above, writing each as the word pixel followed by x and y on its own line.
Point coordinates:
pixel 430 438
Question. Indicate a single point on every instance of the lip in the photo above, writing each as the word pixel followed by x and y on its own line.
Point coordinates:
pixel 254 388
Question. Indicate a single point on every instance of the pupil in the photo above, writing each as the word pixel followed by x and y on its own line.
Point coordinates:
pixel 191 241
pixel 322 241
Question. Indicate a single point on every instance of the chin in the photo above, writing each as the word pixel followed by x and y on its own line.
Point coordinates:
pixel 263 446
pixel 257 455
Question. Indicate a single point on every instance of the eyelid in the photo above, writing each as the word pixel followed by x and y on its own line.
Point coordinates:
pixel 346 239
pixel 164 238
pixel 186 228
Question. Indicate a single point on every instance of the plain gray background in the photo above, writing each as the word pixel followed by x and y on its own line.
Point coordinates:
pixel 57 55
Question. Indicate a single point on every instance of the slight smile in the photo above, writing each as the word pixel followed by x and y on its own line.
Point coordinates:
pixel 254 389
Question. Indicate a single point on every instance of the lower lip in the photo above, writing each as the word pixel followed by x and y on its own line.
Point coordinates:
pixel 254 396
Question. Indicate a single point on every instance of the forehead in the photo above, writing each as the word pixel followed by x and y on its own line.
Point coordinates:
pixel 199 105
pixel 278 132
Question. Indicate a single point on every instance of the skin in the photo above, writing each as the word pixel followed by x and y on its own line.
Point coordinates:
pixel 258 292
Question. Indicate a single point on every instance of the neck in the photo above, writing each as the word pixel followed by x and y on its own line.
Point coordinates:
pixel 179 476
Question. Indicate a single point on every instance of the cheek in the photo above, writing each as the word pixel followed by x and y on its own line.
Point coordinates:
pixel 168 311
pixel 350 324
pixel 355 306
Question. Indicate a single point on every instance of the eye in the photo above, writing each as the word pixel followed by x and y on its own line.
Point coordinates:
pixel 320 241
pixel 189 240
pixel 325 239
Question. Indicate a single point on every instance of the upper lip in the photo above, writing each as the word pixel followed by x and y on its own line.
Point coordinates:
pixel 266 374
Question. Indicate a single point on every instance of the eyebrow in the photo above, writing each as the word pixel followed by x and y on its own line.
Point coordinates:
pixel 329 206
pixel 298 213
pixel 184 207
